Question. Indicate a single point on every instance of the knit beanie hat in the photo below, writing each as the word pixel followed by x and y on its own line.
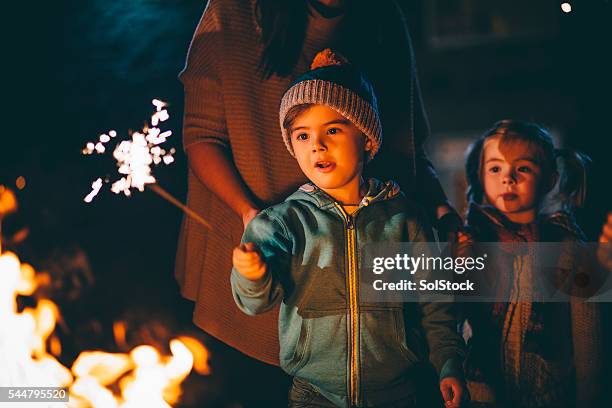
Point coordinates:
pixel 335 83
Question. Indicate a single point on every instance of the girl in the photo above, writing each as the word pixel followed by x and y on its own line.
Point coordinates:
pixel 526 353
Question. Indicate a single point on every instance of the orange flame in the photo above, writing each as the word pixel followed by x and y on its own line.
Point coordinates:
pixel 119 334
pixel 145 377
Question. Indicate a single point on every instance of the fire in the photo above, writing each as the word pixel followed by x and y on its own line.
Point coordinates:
pixel 23 354
pixel 144 376
pixel 119 334
pixel 200 354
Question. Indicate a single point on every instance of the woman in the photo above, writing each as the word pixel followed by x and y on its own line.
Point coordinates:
pixel 244 54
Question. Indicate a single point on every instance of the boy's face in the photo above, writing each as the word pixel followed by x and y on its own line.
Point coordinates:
pixel 511 178
pixel 330 150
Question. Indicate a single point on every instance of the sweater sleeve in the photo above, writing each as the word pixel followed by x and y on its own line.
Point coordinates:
pixel 204 119
pixel 269 236
pixel 588 352
pixel 428 184
pixel 439 321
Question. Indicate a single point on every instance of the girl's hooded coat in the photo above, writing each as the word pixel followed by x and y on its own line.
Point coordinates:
pixel 529 353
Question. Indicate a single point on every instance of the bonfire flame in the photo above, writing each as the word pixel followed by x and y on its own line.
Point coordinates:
pixel 145 377
pixel 23 356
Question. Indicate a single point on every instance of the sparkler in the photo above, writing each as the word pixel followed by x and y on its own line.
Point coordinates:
pixel 135 158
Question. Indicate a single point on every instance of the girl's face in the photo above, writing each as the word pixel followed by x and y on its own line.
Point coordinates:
pixel 512 179
pixel 330 151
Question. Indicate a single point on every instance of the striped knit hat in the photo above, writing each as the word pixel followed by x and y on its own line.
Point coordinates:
pixel 335 83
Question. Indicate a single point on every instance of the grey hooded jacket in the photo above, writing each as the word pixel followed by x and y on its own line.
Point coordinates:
pixel 355 353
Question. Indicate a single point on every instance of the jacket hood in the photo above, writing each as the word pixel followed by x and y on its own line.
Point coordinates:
pixel 376 191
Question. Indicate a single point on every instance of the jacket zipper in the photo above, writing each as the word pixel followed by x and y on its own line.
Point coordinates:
pixel 351 244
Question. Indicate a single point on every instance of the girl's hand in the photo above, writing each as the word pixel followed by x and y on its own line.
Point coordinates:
pixel 452 391
pixel 604 252
pixel 448 226
pixel 464 237
pixel 464 244
pixel 248 262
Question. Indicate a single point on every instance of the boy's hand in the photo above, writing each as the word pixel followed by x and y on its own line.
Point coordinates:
pixel 452 391
pixel 248 262
pixel 604 252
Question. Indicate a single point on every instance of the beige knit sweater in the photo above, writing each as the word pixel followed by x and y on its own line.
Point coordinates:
pixel 228 103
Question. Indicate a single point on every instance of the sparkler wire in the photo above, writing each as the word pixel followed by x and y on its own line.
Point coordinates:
pixel 170 198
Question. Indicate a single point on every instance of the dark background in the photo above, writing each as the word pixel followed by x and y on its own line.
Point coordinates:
pixel 75 69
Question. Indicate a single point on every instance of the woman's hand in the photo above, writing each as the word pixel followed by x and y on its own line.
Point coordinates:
pixel 248 215
pixel 248 262
pixel 214 167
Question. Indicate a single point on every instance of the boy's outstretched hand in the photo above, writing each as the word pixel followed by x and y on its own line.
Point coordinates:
pixel 452 390
pixel 248 262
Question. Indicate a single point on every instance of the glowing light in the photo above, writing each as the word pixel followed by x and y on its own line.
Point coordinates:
pixel 159 104
pixel 8 201
pixel 89 148
pixel 142 378
pixel 136 156
pixel 119 334
pixel 25 361
pixel 566 7
pixel 96 186
pixel 200 354
pixel 20 182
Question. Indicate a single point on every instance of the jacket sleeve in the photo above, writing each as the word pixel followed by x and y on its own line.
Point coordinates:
pixel 204 119
pixel 270 237
pixel 439 321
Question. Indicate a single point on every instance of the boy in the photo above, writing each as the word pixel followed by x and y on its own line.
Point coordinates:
pixel 304 253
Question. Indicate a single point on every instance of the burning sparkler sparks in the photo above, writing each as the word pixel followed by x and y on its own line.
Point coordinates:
pixel 135 158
